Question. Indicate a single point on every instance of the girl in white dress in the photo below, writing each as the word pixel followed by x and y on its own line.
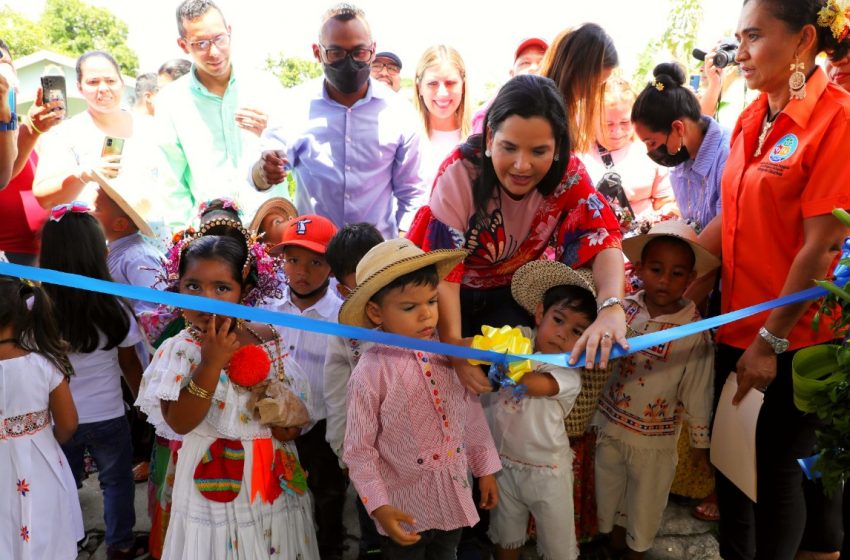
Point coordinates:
pixel 239 490
pixel 40 517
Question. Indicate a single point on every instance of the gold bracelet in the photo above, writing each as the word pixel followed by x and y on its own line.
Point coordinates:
pixel 32 126
pixel 198 391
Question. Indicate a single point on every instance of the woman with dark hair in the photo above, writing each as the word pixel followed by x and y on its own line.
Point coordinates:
pixel 782 180
pixel 506 196
pixel 101 333
pixel 77 150
pixel 668 119
pixel 579 61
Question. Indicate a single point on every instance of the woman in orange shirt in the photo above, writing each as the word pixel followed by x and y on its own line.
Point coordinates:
pixel 783 177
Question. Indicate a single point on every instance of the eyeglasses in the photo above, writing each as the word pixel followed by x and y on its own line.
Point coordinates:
pixel 391 69
pixel 360 54
pixel 220 41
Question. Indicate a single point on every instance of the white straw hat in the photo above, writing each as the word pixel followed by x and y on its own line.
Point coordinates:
pixel 384 263
pixel 704 261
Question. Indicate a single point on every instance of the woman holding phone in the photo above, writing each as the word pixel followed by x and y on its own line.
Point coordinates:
pixel 91 143
pixel 23 218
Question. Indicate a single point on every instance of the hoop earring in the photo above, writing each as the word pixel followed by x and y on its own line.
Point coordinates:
pixel 797 81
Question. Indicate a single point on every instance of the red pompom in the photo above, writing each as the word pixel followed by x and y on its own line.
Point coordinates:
pixel 249 365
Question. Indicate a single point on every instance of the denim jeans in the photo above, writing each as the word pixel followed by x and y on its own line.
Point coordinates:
pixel 108 442
pixel 434 545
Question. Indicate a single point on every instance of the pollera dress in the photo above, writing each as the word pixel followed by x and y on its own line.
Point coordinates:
pixel 41 515
pixel 237 491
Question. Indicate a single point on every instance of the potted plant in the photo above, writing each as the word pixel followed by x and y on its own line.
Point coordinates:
pixel 821 377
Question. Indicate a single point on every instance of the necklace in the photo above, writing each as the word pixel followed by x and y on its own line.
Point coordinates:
pixel 766 127
pixel 281 371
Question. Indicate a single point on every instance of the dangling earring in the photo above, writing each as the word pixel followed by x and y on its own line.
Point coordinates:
pixel 488 153
pixel 797 81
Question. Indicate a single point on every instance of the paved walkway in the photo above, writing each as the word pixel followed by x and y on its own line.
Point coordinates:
pixel 681 538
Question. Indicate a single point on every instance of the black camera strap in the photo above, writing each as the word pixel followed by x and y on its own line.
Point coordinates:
pixel 607 159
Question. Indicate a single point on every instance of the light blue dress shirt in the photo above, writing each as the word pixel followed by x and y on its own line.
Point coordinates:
pixel 352 164
pixel 696 183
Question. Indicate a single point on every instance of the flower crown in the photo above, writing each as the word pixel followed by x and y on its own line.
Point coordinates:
pixel 225 204
pixel 267 285
pixel 836 16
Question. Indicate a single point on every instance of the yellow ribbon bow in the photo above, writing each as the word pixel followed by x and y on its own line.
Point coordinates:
pixel 505 340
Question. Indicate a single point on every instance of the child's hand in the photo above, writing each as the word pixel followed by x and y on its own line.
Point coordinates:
pixel 219 344
pixel 391 519
pixel 489 491
pixel 286 434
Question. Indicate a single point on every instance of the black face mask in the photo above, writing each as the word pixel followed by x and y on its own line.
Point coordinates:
pixel 347 75
pixel 661 156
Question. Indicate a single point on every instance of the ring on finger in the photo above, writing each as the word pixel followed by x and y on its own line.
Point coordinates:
pixel 606 335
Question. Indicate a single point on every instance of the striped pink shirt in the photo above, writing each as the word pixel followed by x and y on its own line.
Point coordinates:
pixel 413 434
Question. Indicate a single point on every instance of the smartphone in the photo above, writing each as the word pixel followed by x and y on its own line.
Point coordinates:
pixel 53 89
pixel 694 83
pixel 112 146
pixel 12 99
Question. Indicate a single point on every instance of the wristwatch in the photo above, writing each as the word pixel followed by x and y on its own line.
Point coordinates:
pixel 11 125
pixel 779 345
pixel 611 301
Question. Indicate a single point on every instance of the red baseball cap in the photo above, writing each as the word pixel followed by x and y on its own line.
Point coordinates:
pixel 531 42
pixel 309 231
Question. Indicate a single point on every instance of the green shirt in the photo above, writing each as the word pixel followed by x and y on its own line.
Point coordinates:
pixel 209 155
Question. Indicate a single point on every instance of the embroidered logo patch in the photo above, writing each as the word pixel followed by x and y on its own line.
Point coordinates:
pixel 784 149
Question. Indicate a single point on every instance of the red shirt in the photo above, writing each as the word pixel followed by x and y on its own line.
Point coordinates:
pixel 22 217
pixel 802 173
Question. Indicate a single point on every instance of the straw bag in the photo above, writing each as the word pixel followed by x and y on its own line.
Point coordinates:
pixel 592 384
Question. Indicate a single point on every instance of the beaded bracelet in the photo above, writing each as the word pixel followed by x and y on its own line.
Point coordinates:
pixel 198 391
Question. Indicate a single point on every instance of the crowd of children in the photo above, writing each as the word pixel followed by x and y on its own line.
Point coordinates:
pixel 259 429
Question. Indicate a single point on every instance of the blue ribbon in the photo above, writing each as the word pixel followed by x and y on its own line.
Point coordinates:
pixel 808 466
pixel 207 305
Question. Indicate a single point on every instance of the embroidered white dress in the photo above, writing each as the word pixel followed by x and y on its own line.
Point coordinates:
pixel 245 528
pixel 41 515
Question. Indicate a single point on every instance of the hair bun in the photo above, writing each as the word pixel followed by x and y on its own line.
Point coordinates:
pixel 671 74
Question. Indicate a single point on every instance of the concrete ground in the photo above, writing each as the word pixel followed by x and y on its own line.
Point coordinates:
pixel 681 537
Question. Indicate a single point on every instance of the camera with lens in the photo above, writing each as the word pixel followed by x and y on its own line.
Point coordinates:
pixel 724 55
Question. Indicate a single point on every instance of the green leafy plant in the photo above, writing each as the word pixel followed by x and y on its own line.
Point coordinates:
pixel 821 376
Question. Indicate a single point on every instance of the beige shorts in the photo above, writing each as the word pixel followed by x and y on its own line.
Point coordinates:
pixel 632 485
pixel 546 496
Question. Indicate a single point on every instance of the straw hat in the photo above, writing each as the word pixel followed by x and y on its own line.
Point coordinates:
pixel 134 211
pixel 704 261
pixel 531 282
pixel 384 263
pixel 278 203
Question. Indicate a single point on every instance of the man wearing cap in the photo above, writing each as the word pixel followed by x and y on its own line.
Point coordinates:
pixel 527 59
pixel 353 146
pixel 387 68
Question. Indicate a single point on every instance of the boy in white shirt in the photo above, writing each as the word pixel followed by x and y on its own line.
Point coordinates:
pixel 649 392
pixel 529 433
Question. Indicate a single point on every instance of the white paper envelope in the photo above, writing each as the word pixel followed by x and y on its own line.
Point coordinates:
pixel 733 438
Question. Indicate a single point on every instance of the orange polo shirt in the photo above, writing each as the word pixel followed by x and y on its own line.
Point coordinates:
pixel 804 171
